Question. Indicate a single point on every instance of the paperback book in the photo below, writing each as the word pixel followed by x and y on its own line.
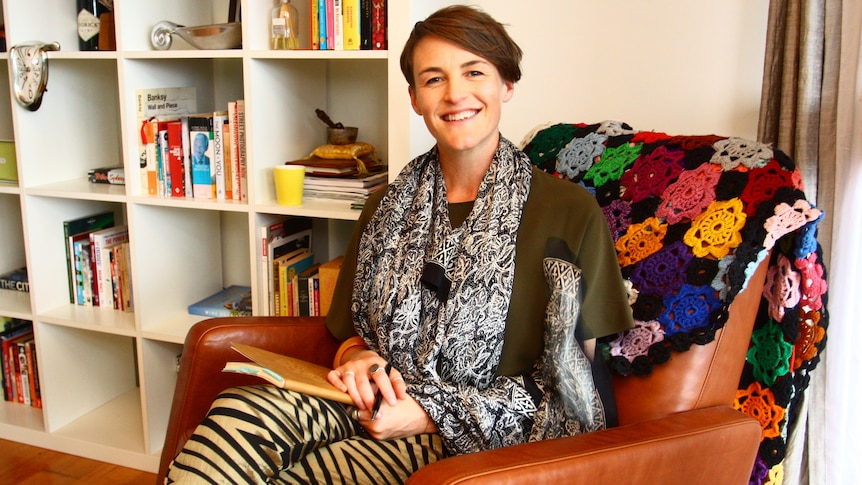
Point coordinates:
pixel 233 301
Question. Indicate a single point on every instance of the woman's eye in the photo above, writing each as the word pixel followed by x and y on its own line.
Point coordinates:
pixel 475 73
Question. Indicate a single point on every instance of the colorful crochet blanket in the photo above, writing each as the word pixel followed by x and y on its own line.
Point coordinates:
pixel 692 217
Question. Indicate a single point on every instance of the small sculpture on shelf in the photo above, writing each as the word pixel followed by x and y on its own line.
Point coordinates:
pixel 204 37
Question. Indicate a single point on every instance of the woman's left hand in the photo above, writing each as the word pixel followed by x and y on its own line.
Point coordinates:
pixel 405 418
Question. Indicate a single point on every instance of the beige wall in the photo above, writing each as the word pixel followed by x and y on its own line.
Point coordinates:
pixel 678 66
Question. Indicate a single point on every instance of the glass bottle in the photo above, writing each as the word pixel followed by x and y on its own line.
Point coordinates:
pixel 284 26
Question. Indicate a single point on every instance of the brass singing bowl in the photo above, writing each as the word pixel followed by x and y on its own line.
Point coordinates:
pixel 205 37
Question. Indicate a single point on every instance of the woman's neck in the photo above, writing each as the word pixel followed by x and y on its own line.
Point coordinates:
pixel 463 173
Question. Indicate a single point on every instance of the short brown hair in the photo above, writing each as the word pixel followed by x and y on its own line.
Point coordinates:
pixel 470 29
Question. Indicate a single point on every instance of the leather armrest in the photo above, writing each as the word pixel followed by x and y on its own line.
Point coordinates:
pixel 207 349
pixel 711 445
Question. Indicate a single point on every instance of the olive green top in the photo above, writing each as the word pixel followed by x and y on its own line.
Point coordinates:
pixel 554 208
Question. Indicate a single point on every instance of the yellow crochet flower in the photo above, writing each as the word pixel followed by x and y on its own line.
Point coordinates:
pixel 640 240
pixel 717 230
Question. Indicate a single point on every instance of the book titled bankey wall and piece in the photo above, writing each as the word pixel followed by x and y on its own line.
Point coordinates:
pixel 286 372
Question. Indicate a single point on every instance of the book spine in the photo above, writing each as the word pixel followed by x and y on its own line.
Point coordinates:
pixel 243 161
pixel 163 169
pixel 365 25
pixel 218 171
pixel 351 25
pixel 35 387
pixel 378 24
pixel 265 272
pixel 175 159
pixel 107 175
pixel 151 128
pixel 302 297
pixel 187 157
pixel 200 132
pixel 23 378
pixel 233 133
pixel 321 13
pixel 315 24
pixel 337 25
pixel 8 282
pixel 228 161
pixel 316 295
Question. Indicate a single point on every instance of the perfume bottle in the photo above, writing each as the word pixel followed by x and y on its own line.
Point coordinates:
pixel 284 26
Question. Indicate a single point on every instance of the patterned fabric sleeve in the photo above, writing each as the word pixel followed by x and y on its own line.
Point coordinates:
pixel 472 419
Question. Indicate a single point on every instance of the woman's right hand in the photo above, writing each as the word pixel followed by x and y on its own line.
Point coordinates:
pixel 353 376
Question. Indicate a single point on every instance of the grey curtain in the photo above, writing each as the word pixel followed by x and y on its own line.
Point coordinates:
pixel 811 85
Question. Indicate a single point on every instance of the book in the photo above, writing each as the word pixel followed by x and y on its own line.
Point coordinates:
pixel 286 372
pixel 176 159
pixel 268 233
pixel 114 175
pixel 314 27
pixel 336 167
pixel 350 10
pixel 304 297
pixel 321 14
pixel 337 25
pixel 233 301
pixel 151 105
pixel 35 385
pixel 22 370
pixel 150 164
pixel 15 280
pixel 187 156
pixel 16 330
pixel 219 120
pixel 100 244
pixel 296 236
pixel 241 150
pixel 230 168
pixel 328 275
pixel 81 225
pixel 288 267
pixel 365 24
pixel 162 168
pixel 201 136
pixel 83 270
pixel 8 163
pixel 350 181
pixel 378 24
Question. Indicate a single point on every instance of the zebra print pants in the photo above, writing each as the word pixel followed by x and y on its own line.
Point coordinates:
pixel 264 434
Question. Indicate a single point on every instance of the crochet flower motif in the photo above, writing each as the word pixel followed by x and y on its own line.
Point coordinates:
pixel 810 334
pixel 811 285
pixel 617 215
pixel 546 143
pixel 688 309
pixel 664 271
pixel 759 403
pixel 781 288
pixel 769 354
pixel 689 195
pixel 733 152
pixel 716 231
pixel 637 341
pixel 762 184
pixel 614 128
pixel 613 163
pixel 640 240
pixel 689 143
pixel 652 173
pixel 649 137
pixel 578 156
pixel 787 219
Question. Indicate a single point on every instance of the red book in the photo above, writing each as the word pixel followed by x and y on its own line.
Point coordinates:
pixel 176 167
pixel 378 24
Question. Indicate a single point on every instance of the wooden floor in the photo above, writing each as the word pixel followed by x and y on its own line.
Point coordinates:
pixel 27 465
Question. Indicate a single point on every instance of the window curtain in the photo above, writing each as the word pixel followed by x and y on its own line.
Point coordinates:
pixel 811 108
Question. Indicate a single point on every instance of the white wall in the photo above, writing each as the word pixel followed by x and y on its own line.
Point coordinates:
pixel 684 67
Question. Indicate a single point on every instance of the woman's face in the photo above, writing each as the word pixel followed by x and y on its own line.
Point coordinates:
pixel 460 96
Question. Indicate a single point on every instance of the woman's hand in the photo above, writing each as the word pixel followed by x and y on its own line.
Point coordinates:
pixel 354 378
pixel 399 414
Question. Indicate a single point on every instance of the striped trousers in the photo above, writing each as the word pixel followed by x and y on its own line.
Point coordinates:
pixel 264 434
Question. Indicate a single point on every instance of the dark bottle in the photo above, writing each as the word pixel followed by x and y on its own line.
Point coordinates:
pixel 89 24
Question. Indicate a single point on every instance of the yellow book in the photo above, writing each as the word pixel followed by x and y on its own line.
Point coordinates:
pixel 328 275
pixel 350 13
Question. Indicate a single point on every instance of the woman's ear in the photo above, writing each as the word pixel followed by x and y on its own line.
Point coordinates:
pixel 413 103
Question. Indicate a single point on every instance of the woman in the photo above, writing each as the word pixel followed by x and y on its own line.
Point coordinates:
pixel 445 281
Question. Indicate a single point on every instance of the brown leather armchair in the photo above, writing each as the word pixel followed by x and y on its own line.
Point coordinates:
pixel 676 425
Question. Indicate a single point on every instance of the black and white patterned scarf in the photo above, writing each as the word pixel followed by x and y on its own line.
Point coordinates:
pixel 427 334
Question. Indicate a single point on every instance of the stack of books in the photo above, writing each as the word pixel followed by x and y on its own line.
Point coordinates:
pixel 338 179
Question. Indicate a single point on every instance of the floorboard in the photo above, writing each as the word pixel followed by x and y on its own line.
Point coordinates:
pixel 28 465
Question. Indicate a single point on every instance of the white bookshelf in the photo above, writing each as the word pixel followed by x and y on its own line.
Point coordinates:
pixel 107 376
